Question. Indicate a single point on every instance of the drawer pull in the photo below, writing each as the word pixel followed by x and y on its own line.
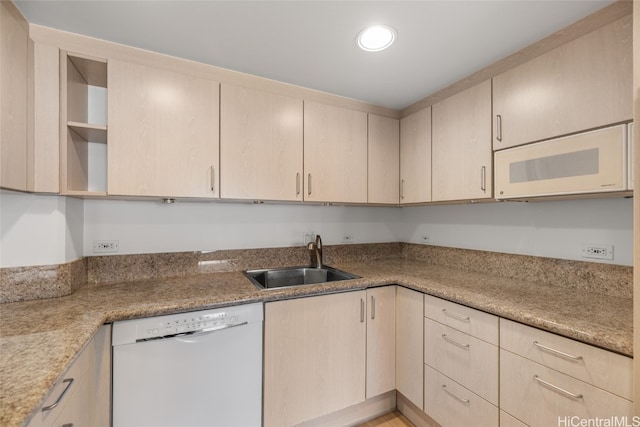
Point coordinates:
pixel 557 352
pixel 456 316
pixel 456 343
pixel 69 381
pixel 558 389
pixel 455 396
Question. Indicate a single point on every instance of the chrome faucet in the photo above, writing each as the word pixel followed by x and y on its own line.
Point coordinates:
pixel 316 249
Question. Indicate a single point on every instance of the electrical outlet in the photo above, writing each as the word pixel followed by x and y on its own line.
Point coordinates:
pixel 309 237
pixel 105 246
pixel 347 238
pixel 597 251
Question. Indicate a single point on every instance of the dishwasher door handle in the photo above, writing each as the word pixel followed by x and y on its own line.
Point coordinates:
pixel 194 334
pixel 186 337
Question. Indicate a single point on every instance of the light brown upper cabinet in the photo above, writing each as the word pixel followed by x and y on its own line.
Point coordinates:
pixel 13 97
pixel 163 132
pixel 43 136
pixel 383 160
pixel 260 145
pixel 415 157
pixel 461 145
pixel 581 85
pixel 335 154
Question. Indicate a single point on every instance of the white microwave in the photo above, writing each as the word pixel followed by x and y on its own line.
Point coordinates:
pixel 590 162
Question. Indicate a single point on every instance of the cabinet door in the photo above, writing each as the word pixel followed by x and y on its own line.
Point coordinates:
pixel 314 357
pixel 163 132
pixel 381 340
pixel 415 157
pixel 383 160
pixel 13 97
pixel 44 114
pixel 581 85
pixel 462 145
pixel 260 145
pixel 335 154
pixel 409 336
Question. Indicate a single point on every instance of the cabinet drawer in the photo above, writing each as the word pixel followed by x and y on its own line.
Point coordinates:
pixel 601 368
pixel 524 395
pixel 473 322
pixel 463 358
pixel 452 405
pixel 71 384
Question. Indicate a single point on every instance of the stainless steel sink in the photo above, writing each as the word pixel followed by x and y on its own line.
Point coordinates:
pixel 295 276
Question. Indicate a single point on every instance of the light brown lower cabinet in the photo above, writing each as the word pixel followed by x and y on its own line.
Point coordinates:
pixel 314 357
pixel 409 336
pixel 82 396
pixel 381 340
pixel 318 359
pixel 546 379
pixel 454 405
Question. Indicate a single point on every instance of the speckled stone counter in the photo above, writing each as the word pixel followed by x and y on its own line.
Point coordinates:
pixel 40 338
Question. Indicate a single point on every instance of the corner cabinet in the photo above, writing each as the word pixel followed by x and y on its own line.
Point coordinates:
pixel 163 132
pixel 260 145
pixel 409 345
pixel 383 160
pixel 335 154
pixel 584 84
pixel 82 395
pixel 461 145
pixel 415 157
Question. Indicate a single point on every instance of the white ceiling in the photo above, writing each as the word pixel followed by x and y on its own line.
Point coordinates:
pixel 312 43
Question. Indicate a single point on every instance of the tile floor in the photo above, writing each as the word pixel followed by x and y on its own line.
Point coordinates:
pixel 392 419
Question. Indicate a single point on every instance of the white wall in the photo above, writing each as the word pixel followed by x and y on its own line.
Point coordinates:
pixel 148 226
pixel 39 230
pixel 553 229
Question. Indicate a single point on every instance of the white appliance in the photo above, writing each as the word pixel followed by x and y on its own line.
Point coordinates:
pixel 590 162
pixel 193 369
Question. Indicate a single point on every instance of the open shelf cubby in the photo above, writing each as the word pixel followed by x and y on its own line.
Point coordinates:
pixel 84 151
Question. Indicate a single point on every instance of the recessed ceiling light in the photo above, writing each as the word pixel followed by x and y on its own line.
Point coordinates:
pixel 376 37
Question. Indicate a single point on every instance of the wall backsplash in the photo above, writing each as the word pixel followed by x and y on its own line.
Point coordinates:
pixel 26 283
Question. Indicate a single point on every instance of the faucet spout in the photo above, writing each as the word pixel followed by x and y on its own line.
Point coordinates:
pixel 316 252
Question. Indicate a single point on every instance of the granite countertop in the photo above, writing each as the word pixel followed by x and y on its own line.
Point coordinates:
pixel 39 339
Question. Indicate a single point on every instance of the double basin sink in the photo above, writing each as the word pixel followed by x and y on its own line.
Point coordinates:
pixel 296 276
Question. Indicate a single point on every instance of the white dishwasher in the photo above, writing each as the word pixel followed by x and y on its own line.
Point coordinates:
pixel 197 369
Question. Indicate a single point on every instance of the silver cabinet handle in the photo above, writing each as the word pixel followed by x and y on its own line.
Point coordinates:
pixel 373 307
pixel 557 352
pixel 297 184
pixel 402 189
pixel 456 343
pixel 483 178
pixel 69 381
pixel 558 389
pixel 499 127
pixel 361 310
pixel 213 178
pixel 309 184
pixel 455 396
pixel 456 316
